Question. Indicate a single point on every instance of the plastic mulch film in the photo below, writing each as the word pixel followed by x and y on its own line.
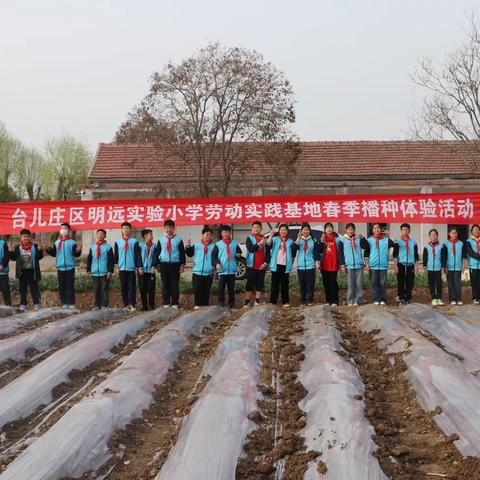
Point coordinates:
pixel 212 435
pixel 468 313
pixel 453 333
pixel 78 442
pixel 6 311
pixel 19 398
pixel 14 322
pixel 40 339
pixel 438 378
pixel 336 425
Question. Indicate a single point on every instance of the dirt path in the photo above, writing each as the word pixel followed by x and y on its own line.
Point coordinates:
pixel 411 446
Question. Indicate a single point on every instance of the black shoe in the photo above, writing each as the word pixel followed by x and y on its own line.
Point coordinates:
pixel 258 302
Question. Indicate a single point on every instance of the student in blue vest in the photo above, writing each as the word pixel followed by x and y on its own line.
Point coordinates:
pixel 377 263
pixel 352 262
pixel 27 256
pixel 432 263
pixel 4 280
pixel 202 276
pixel 170 263
pixel 256 264
pixel 405 254
pixel 65 250
pixel 473 256
pixel 281 252
pixel 146 272
pixel 128 260
pixel 225 256
pixel 453 253
pixel 100 264
pixel 308 261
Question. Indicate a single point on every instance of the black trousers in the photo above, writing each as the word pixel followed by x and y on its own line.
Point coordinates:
pixel 201 289
pixel 435 284
pixel 101 287
pixel 454 280
pixel 66 286
pixel 307 284
pixel 229 282
pixel 5 289
pixel 27 281
pixel 280 281
pixel 405 281
pixel 474 282
pixel 330 286
pixel 146 284
pixel 128 286
pixel 170 275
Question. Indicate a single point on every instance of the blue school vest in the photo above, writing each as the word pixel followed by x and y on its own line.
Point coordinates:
pixel 306 260
pixel 434 264
pixel 276 242
pixel 99 267
pixel 454 261
pixel 202 262
pixel 174 256
pixel 126 259
pixel 64 259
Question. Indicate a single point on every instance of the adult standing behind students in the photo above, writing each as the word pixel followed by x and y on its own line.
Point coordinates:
pixel 330 264
pixel 4 270
pixel 27 256
pixel 308 260
pixel 473 256
pixel 65 250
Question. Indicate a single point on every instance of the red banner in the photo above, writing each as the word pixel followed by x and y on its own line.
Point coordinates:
pixel 454 208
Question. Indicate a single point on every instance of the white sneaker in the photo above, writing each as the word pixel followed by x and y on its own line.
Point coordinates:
pixel 37 307
pixel 166 306
pixel 23 308
pixel 95 308
pixel 71 307
pixel 382 303
pixel 65 306
pixel 131 308
pixel 350 305
pixel 286 305
pixel 103 308
pixel 355 304
pixel 310 304
pixel 459 303
pixel 476 302
pixel 376 303
pixel 453 302
pixel 434 302
pixel 196 307
pixel 247 305
pixel 333 305
pixel 440 302
pixel 176 307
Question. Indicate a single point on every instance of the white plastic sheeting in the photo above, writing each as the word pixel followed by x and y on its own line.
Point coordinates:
pixel 469 313
pixel 6 311
pixel 213 434
pixel 34 388
pixel 437 378
pixel 78 442
pixel 40 339
pixel 336 425
pixel 454 334
pixel 14 322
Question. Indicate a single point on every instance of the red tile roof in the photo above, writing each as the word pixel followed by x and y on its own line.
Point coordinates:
pixel 332 159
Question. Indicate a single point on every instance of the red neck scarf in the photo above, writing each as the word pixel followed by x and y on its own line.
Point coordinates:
pixel 433 245
pixel 283 243
pixel 205 246
pixel 353 242
pixel 62 239
pixel 227 243
pixel 26 246
pixel 125 246
pixel 258 238
pixel 377 239
pixel 169 243
pixel 99 243
pixel 305 244
pixel 454 246
pixel 477 242
pixel 149 246
pixel 406 240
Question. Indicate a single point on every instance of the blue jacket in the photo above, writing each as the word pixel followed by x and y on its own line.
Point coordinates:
pixel 432 257
pixel 4 257
pixel 453 261
pixel 147 259
pixel 127 260
pixel 403 255
pixel 220 255
pixel 378 258
pixel 99 267
pixel 65 258
pixel 202 262
pixel 177 254
pixel 473 254
pixel 351 252
pixel 273 250
pixel 306 259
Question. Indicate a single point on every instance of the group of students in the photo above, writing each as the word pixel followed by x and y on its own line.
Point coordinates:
pixel 349 253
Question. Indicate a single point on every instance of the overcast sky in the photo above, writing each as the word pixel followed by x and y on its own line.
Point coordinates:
pixel 79 66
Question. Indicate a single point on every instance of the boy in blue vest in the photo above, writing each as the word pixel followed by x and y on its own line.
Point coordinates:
pixel 453 253
pixel 377 263
pixel 65 250
pixel 309 258
pixel 202 276
pixel 27 256
pixel 473 255
pixel 432 263
pixel 170 262
pixel 256 264
pixel 100 264
pixel 127 258
pixel 146 273
pixel 4 280
pixel 224 257
pixel 352 262
pixel 405 254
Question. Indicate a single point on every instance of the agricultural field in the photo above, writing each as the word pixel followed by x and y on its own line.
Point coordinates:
pixel 263 393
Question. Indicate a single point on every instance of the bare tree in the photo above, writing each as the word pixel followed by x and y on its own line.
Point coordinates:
pixel 210 108
pixel 10 153
pixel 31 175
